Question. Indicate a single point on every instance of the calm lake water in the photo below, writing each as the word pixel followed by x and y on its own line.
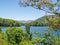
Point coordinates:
pixel 34 29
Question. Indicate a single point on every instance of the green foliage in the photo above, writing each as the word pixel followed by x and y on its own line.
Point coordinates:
pixel 57 42
pixel 0 29
pixel 9 22
pixel 2 40
pixel 42 21
pixel 54 23
pixel 45 5
pixel 14 35
pixel 26 42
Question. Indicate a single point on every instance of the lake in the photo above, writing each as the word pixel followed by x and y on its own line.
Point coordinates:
pixel 35 29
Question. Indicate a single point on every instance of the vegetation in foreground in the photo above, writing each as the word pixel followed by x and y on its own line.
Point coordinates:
pixel 16 36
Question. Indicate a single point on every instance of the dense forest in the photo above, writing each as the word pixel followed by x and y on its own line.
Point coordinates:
pixel 42 21
pixel 38 22
pixel 9 22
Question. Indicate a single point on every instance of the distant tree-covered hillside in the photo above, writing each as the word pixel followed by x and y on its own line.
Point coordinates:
pixel 9 22
pixel 42 21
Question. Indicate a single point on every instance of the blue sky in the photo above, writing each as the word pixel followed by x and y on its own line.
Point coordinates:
pixel 10 9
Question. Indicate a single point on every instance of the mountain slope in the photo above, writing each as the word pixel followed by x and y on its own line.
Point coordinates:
pixel 9 22
pixel 42 20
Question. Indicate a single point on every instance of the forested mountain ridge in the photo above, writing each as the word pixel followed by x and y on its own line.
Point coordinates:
pixel 9 22
pixel 38 22
pixel 41 21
